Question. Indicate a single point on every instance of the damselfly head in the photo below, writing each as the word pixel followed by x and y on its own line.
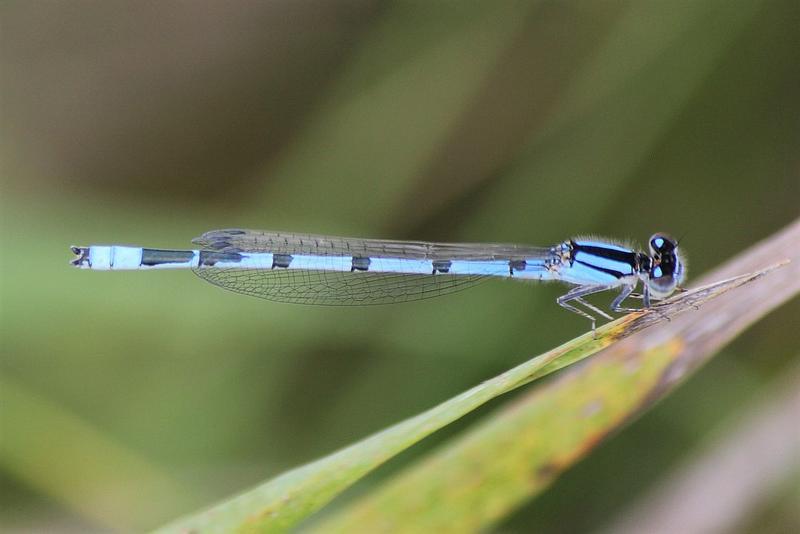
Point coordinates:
pixel 667 270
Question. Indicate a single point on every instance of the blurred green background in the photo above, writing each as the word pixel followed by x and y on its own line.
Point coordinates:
pixel 131 398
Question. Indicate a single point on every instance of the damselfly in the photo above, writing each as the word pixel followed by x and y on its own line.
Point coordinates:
pixel 315 269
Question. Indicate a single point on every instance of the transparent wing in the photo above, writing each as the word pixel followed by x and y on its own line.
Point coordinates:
pixel 240 240
pixel 335 288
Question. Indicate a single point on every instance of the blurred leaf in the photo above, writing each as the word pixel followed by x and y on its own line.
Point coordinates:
pixel 482 476
pixel 390 109
pixel 101 493
pixel 744 464
pixel 607 127
pixel 282 502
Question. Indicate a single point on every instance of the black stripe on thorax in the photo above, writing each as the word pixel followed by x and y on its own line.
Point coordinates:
pixel 609 253
pixel 612 272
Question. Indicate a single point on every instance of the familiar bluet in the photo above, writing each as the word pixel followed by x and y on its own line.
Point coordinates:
pixel 315 269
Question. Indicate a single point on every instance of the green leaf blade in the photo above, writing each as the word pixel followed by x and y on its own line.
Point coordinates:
pixel 482 476
pixel 281 503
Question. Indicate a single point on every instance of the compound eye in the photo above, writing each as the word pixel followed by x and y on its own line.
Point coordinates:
pixel 661 282
pixel 662 244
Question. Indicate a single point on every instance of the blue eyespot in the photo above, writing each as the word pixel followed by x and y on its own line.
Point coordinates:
pixel 657 272
pixel 659 242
